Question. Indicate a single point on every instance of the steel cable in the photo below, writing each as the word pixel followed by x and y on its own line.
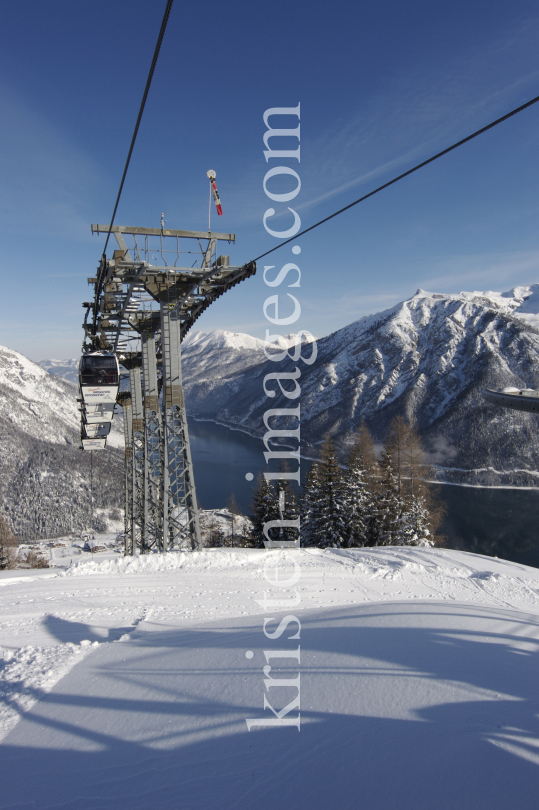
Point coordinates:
pixel 133 139
pixel 401 176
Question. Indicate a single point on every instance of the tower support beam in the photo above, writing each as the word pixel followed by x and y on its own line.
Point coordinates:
pixel 137 520
pixel 152 531
pixel 128 441
pixel 180 509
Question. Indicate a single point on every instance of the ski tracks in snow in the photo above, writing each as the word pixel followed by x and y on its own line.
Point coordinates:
pixel 29 672
pixel 48 625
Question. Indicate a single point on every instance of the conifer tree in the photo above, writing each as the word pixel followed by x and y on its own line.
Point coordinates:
pixel 359 488
pixel 389 506
pixel 323 507
pixel 287 508
pixel 419 513
pixel 397 445
pixel 309 506
pixel 264 508
pixel 232 505
pixel 415 528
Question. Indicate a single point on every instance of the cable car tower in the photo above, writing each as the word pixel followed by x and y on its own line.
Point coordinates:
pixel 145 302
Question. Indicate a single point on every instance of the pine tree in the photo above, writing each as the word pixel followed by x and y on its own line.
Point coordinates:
pixel 287 508
pixel 323 502
pixel 415 527
pixel 309 506
pixel 359 489
pixel 389 505
pixel 264 508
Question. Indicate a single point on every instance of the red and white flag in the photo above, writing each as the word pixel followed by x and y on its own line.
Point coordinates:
pixel 216 198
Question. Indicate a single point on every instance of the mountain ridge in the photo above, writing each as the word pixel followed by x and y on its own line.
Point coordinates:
pixel 426 358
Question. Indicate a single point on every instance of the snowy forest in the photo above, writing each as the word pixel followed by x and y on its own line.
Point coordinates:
pixel 367 499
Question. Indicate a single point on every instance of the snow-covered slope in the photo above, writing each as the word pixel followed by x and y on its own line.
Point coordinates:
pixel 426 358
pixel 43 475
pixel 128 684
pixel 229 353
pixel 41 405
pixel 218 367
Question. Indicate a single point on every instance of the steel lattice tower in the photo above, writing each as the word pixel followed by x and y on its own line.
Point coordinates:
pixel 142 311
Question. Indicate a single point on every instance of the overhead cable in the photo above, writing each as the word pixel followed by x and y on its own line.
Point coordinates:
pixel 143 104
pixel 102 268
pixel 401 176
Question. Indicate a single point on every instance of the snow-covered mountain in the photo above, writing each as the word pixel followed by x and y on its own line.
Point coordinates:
pixel 42 406
pixel 202 351
pixel 43 474
pixel 426 358
pixel 67 369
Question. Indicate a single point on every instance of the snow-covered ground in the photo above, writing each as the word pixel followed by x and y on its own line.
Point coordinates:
pixel 61 552
pixel 127 683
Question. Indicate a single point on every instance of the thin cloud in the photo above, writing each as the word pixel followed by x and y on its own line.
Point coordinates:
pixel 412 117
pixel 45 179
pixel 418 116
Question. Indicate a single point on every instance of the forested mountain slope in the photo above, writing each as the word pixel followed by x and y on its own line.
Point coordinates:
pixel 427 358
pixel 44 477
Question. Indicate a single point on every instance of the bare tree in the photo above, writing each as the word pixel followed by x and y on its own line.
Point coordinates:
pixel 234 510
pixel 8 545
pixel 208 528
pixel 413 475
pixel 35 559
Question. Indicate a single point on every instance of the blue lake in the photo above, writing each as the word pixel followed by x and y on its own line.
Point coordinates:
pixel 221 458
pixel 497 522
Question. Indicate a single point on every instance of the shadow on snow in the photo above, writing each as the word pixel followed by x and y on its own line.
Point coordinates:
pixel 403 706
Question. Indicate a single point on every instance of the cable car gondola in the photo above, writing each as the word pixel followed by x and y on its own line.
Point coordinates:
pixel 98 431
pixel 99 378
pixel 525 399
pixel 93 444
pixel 97 413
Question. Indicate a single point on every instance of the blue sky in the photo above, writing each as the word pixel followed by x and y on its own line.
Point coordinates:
pixel 382 86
